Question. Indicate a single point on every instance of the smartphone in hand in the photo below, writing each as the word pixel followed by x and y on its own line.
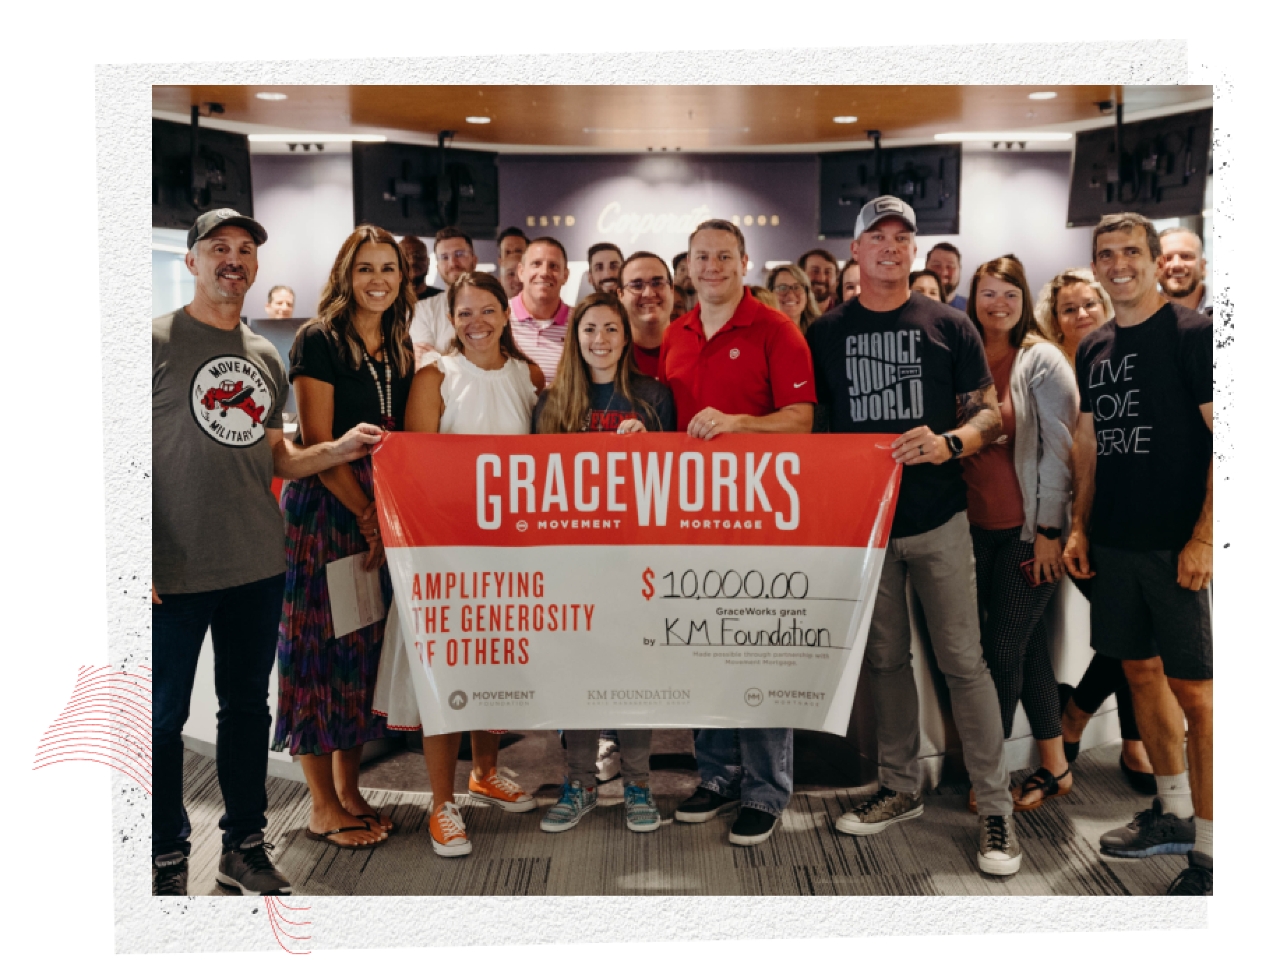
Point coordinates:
pixel 1028 568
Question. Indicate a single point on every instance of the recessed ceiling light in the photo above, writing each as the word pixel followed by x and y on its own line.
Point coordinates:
pixel 313 137
pixel 1002 137
pixel 479 120
pixel 1042 96
pixel 844 120
pixel 271 96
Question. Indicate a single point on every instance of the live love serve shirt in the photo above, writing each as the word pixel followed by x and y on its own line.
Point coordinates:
pixel 1144 385
pixel 214 394
pixel 894 371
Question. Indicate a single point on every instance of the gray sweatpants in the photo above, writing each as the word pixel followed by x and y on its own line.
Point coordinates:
pixel 632 744
pixel 940 566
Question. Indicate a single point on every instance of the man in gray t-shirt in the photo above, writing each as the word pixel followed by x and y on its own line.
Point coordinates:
pixel 217 396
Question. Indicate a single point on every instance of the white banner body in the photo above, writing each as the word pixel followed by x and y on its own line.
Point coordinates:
pixel 709 608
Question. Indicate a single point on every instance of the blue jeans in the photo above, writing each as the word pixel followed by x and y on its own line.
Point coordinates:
pixel 245 621
pixel 751 764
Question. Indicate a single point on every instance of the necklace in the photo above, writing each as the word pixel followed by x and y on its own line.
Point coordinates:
pixel 384 394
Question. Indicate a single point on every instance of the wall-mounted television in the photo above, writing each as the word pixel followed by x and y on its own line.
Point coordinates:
pixel 220 178
pixel 415 190
pixel 1159 170
pixel 926 177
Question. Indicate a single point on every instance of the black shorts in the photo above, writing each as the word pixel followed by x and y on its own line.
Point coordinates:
pixel 1138 610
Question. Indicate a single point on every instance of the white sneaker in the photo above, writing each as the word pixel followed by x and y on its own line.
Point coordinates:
pixel 608 761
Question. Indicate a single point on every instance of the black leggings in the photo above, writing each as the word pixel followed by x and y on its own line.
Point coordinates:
pixel 1014 640
pixel 1105 676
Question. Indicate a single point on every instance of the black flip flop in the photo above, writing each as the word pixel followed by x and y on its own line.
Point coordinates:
pixel 325 837
pixel 376 819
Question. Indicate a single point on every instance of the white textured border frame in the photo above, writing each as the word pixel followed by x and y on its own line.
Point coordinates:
pixel 144 924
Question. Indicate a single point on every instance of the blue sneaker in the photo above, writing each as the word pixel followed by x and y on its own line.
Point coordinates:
pixel 641 813
pixel 575 801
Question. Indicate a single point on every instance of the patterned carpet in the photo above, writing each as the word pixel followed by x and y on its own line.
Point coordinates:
pixel 934 854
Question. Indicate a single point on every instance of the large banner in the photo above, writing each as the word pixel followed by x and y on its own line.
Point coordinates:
pixel 650 580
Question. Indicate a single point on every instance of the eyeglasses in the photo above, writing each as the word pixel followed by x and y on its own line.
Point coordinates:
pixel 782 289
pixel 638 286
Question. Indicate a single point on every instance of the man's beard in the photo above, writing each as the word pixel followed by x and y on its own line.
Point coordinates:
pixel 1181 293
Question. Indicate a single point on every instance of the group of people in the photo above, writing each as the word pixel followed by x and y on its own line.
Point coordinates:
pixel 1068 436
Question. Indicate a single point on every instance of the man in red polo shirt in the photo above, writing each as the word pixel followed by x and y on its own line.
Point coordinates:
pixel 734 364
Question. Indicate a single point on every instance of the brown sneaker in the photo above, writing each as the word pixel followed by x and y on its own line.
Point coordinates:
pixel 880 811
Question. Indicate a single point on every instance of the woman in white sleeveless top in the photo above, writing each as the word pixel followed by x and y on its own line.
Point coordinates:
pixel 483 386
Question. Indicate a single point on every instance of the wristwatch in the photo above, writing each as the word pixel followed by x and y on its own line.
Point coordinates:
pixel 1049 532
pixel 954 444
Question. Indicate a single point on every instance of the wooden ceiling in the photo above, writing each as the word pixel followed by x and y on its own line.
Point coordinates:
pixel 686 117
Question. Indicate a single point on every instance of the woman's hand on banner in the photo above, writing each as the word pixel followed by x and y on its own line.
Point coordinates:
pixel 631 426
pixel 920 446
pixel 367 522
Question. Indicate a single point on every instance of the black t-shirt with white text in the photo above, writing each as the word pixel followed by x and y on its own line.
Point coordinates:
pixel 894 371
pixel 1144 385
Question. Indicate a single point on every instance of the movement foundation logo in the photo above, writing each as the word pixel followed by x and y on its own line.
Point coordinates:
pixel 754 697
pixel 457 699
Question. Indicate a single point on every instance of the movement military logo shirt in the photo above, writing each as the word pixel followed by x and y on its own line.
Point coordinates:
pixel 893 371
pixel 214 395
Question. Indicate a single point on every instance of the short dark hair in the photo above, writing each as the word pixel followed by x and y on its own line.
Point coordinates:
pixel 1009 269
pixel 683 256
pixel 547 239
pixel 512 232
pixel 636 256
pixel 445 233
pixel 276 288
pixel 944 246
pixel 600 246
pixel 822 253
pixel 719 224
pixel 1126 221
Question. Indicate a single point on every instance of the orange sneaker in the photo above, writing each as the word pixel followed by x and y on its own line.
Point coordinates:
pixel 448 833
pixel 500 791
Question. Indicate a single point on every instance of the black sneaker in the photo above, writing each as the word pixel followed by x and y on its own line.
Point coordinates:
pixel 704 805
pixel 169 875
pixel 1151 833
pixel 752 827
pixel 249 869
pixel 1196 879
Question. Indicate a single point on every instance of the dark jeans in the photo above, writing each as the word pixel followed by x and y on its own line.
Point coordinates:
pixel 245 621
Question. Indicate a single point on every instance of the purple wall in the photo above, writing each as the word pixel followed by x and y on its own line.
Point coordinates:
pixel 652 202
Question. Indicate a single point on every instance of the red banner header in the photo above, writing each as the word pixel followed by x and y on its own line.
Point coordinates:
pixel 644 489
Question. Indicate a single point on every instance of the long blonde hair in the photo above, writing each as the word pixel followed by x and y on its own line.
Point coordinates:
pixel 569 398
pixel 1047 303
pixel 811 310
pixel 338 305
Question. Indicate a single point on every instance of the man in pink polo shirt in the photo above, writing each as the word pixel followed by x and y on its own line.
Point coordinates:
pixel 539 318
pixel 734 364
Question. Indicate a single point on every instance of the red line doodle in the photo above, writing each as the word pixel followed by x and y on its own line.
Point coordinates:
pixel 277 929
pixel 107 720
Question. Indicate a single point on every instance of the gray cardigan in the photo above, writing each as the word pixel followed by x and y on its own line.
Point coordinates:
pixel 1045 405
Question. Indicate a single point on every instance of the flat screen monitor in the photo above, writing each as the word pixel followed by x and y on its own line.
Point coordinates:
pixel 926 177
pixel 1159 172
pixel 411 190
pixel 221 173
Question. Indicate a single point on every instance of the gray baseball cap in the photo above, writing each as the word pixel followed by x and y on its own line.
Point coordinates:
pixel 210 221
pixel 875 211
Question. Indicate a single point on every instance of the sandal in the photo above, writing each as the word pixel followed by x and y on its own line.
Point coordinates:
pixel 376 818
pixel 1046 783
pixel 326 837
